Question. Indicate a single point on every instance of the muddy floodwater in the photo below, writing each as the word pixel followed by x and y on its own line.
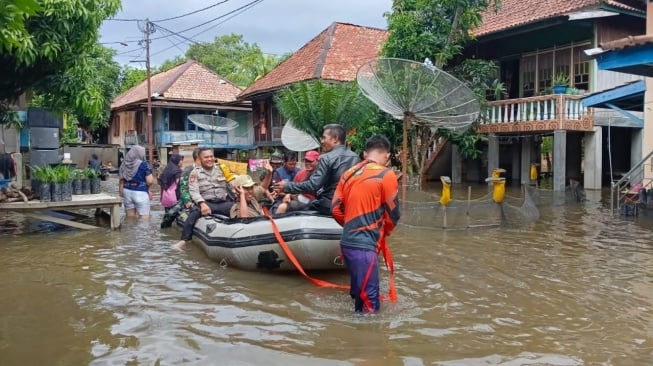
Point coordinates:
pixel 573 288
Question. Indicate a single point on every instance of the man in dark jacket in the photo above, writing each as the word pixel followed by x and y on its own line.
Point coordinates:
pixel 335 160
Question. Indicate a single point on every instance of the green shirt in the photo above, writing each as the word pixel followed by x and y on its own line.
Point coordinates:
pixel 183 185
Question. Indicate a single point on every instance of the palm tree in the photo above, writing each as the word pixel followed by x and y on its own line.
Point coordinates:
pixel 312 104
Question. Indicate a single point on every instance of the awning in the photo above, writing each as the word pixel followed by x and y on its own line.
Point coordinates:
pixel 630 55
pixel 622 99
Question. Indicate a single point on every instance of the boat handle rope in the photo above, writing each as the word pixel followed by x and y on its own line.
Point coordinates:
pixel 293 259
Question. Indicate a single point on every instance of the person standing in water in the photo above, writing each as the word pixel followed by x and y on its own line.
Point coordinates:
pixel 136 178
pixel 366 205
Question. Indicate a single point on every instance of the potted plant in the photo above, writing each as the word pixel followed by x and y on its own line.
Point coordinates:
pixel 86 182
pixel 64 175
pixel 94 178
pixel 60 185
pixel 45 176
pixel 560 83
pixel 78 174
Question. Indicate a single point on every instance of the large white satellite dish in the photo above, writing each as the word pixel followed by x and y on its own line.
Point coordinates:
pixel 297 140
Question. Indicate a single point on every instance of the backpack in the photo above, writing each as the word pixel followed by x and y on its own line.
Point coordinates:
pixel 169 196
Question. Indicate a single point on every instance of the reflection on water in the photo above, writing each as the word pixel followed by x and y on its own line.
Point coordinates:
pixel 571 288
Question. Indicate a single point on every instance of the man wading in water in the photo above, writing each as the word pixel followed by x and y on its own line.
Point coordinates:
pixel 366 205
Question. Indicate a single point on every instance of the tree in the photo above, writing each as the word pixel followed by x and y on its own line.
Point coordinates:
pixel 85 89
pixel 50 47
pixel 131 76
pixel 437 29
pixel 230 56
pixel 42 38
pixel 312 104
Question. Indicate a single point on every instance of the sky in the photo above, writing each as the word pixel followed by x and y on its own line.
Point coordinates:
pixel 277 26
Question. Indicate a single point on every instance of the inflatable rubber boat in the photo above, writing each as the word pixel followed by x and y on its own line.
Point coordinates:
pixel 251 244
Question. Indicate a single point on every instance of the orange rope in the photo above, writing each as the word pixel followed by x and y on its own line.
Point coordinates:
pixel 293 259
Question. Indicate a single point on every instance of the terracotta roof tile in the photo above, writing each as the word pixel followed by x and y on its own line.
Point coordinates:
pixel 514 13
pixel 190 81
pixel 334 54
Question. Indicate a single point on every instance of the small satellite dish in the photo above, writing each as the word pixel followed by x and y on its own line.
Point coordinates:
pixel 213 123
pixel 297 140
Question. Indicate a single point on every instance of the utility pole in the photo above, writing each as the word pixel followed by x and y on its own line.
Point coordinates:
pixel 150 134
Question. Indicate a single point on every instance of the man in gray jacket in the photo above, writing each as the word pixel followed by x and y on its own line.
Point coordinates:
pixel 208 189
pixel 336 158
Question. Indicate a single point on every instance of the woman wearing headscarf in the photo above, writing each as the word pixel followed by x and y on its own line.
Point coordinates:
pixel 135 180
pixel 169 181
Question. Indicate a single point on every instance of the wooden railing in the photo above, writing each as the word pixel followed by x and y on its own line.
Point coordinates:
pixel 559 111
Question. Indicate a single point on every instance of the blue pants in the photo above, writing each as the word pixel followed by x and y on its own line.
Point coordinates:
pixel 359 262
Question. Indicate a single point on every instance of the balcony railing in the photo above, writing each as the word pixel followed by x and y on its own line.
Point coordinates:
pixel 547 112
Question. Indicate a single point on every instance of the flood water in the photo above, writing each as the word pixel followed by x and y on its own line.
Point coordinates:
pixel 573 288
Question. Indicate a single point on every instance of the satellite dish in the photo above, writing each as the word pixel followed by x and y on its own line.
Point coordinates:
pixel 417 93
pixel 297 140
pixel 421 92
pixel 213 123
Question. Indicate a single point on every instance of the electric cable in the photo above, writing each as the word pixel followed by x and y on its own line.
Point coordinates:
pixel 192 12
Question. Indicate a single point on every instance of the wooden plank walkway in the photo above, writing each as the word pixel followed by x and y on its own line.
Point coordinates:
pixel 84 201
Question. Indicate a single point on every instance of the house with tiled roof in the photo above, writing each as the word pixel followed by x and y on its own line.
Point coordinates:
pixel 189 88
pixel 538 44
pixel 334 55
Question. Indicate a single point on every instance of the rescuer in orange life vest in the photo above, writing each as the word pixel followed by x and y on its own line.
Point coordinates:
pixel 366 205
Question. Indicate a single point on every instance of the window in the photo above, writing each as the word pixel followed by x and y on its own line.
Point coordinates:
pixel 277 123
pixel 176 119
pixel 116 125
pixel 538 69
pixel 529 65
pixel 138 120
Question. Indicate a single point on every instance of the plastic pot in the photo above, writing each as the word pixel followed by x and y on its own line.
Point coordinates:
pixel 95 185
pixel 86 186
pixel 77 186
pixel 67 191
pixel 56 192
pixel 44 191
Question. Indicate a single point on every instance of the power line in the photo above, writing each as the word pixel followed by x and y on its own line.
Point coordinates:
pixel 192 12
pixel 123 20
pixel 248 5
pixel 235 13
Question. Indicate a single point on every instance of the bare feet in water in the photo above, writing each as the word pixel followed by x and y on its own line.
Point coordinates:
pixel 180 245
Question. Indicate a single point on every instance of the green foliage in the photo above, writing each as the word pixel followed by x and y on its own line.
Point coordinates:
pixel 15 37
pixel 233 58
pixel 129 77
pixel 40 39
pixel 561 78
pixel 78 174
pixel 85 89
pixel 547 144
pixel 382 124
pixel 44 174
pixel 62 173
pixel 69 133
pixel 91 173
pixel 9 117
pixel 312 104
pixel 439 29
pixel 481 77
